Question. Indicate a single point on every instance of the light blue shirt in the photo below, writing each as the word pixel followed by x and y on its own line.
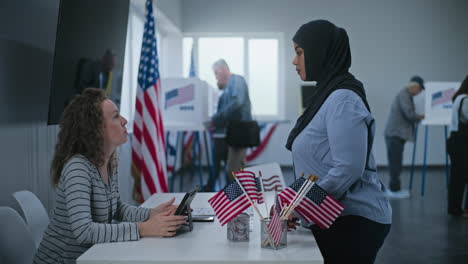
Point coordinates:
pixel 333 146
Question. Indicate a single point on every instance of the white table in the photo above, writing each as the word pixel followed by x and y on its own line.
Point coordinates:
pixel 207 243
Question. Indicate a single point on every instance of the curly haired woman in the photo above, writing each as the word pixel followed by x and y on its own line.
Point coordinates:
pixel 84 172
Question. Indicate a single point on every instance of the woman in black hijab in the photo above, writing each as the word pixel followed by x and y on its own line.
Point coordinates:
pixel 333 140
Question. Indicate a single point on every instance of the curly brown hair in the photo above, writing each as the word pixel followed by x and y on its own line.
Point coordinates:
pixel 81 132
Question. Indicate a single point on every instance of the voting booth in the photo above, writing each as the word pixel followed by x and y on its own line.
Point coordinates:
pixel 185 103
pixel 438 102
pixel 437 112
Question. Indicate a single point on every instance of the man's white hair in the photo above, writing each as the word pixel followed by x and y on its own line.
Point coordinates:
pixel 220 63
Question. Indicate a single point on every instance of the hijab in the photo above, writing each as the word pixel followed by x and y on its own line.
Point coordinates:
pixel 327 60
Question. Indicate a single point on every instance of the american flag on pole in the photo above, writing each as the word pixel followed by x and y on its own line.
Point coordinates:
pixel 148 142
pixel 441 97
pixel 275 227
pixel 189 136
pixel 251 185
pixel 229 202
pixel 317 206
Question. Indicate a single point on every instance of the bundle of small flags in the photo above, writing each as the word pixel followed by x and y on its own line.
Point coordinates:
pixel 305 197
pixel 237 196
pixel 311 202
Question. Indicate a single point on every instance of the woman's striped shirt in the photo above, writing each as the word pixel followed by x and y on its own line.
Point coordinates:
pixel 84 209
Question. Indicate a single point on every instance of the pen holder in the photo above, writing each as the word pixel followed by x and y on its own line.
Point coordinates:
pixel 266 239
pixel 238 228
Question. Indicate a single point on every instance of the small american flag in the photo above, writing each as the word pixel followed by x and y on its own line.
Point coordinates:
pixel 180 95
pixel 251 185
pixel 229 202
pixel 272 183
pixel 442 96
pixel 317 206
pixel 275 227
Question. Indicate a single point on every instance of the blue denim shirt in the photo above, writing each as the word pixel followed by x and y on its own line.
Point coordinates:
pixel 233 104
pixel 333 147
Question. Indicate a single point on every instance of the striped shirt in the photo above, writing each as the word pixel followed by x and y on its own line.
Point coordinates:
pixel 84 209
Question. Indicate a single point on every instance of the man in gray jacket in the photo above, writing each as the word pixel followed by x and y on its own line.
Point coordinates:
pixel 400 128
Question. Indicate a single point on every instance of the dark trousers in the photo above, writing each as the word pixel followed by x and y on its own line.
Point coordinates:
pixel 220 153
pixel 351 239
pixel 395 147
pixel 234 158
pixel 458 179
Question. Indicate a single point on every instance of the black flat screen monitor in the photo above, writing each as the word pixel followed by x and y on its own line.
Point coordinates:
pixel 89 51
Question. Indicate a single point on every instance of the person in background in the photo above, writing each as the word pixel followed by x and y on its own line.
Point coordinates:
pixel 400 128
pixel 333 140
pixel 457 146
pixel 84 172
pixel 233 105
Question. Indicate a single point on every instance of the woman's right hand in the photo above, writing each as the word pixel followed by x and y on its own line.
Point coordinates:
pixel 163 224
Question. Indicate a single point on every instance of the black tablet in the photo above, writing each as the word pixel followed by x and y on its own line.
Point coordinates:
pixel 181 210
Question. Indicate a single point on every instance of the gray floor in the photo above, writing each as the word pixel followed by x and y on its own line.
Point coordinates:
pixel 421 232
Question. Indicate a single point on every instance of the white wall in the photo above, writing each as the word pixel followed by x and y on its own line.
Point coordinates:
pixel 27 38
pixel 390 42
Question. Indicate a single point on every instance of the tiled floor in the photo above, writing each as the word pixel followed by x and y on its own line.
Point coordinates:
pixel 421 232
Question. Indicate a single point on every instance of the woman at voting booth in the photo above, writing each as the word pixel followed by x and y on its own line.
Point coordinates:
pixel 457 147
pixel 333 140
pixel 84 172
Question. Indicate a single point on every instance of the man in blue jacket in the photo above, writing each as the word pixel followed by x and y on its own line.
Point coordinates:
pixel 233 105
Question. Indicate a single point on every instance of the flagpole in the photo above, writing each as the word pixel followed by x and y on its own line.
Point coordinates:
pixel 300 190
pixel 263 191
pixel 298 194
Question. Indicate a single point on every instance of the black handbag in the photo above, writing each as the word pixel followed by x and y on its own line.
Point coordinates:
pixel 243 134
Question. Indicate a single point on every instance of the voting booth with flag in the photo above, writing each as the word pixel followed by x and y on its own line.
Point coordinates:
pixel 438 102
pixel 437 112
pixel 185 103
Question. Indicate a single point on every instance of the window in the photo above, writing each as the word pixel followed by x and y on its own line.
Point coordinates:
pixel 254 56
pixel 263 75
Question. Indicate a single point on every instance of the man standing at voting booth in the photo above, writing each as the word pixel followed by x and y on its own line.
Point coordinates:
pixel 233 105
pixel 400 127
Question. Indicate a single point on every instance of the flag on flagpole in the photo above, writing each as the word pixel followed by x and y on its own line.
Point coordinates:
pixel 251 185
pixel 192 72
pixel 229 202
pixel 275 227
pixel 317 206
pixel 189 136
pixel 148 142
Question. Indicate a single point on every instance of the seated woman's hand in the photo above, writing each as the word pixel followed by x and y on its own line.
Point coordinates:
pixel 167 206
pixel 163 224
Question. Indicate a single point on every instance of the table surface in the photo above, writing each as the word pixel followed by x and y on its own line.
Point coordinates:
pixel 207 243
